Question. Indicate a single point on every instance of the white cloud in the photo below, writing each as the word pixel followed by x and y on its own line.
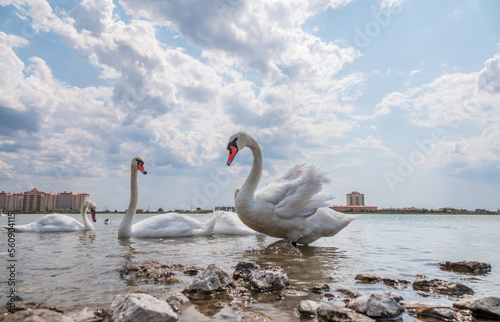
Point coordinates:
pixel 450 103
pixel 350 164
pixel 390 4
pixel 414 72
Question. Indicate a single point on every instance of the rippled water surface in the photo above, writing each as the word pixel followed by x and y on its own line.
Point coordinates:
pixel 82 268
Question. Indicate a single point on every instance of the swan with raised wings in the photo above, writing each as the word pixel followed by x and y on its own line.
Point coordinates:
pixel 161 226
pixel 289 207
pixel 61 223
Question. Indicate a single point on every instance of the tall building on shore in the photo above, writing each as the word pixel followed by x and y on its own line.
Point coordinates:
pixel 355 203
pixel 355 199
pixel 36 200
pixel 11 201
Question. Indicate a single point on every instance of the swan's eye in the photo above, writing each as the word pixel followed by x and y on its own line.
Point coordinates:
pixel 232 144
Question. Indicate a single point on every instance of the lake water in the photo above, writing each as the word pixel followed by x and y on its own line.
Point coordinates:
pixel 82 269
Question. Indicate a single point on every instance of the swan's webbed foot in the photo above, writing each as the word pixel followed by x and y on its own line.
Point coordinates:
pixel 294 244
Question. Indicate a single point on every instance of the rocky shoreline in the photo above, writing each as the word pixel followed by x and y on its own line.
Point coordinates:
pixel 212 287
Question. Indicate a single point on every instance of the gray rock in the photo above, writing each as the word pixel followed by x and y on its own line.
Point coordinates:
pixel 156 272
pixel 437 286
pixel 397 297
pixel 89 315
pixel 244 270
pixel 271 278
pixel 376 305
pixel 485 307
pixel 38 315
pixel 308 308
pixel 320 288
pixel 467 267
pixel 428 309
pixel 177 302
pixel 282 248
pixel 341 314
pixel 347 293
pixel 86 314
pixel 213 280
pixel 140 307
pixel 371 279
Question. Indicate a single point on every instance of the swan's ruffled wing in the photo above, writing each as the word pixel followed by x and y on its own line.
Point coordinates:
pixel 296 193
pixel 57 222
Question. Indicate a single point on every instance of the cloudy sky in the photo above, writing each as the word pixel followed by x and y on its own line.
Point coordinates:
pixel 399 100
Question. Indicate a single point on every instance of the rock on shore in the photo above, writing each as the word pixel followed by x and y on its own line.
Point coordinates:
pixel 141 307
pixel 38 315
pixel 271 278
pixel 212 289
pixel 377 305
pixel 282 248
pixel 362 308
pixel 442 287
pixel 466 267
pixel 212 281
pixel 486 307
pixel 342 314
pixel 156 272
pixel 394 283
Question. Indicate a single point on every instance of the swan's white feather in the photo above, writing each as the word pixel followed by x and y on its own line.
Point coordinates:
pixel 295 193
pixel 172 225
pixel 51 223
pixel 228 223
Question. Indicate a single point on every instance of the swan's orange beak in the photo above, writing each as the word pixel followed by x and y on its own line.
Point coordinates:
pixel 233 149
pixel 92 212
pixel 140 166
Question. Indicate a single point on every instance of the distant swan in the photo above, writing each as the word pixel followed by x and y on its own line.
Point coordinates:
pixel 59 222
pixel 160 226
pixel 289 206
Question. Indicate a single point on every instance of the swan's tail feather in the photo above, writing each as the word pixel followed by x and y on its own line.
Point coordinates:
pixel 209 225
pixel 320 201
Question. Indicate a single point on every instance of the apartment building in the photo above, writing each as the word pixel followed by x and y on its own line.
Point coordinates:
pixel 37 200
pixel 355 199
pixel 11 201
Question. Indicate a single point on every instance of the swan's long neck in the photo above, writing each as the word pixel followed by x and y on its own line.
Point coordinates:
pixel 248 188
pixel 87 224
pixel 125 229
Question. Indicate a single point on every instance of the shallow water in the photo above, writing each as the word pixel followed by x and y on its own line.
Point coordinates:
pixel 82 268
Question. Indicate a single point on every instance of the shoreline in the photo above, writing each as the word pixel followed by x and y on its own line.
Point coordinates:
pixel 399 212
pixel 195 299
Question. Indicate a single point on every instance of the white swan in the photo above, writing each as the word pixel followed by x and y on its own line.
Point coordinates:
pixel 228 223
pixel 59 222
pixel 288 207
pixel 160 226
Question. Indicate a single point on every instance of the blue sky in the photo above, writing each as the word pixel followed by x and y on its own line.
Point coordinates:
pixel 399 100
